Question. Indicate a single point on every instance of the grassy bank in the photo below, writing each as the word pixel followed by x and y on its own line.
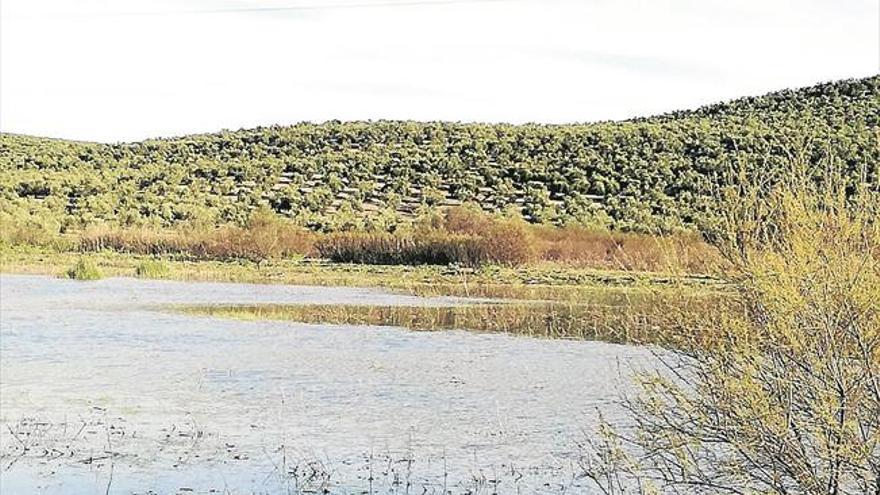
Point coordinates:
pixel 547 281
pixel 556 282
pixel 461 236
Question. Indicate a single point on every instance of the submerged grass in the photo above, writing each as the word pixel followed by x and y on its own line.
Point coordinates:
pixel 550 300
pixel 632 320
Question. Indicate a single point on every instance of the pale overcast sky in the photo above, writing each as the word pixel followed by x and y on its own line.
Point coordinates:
pixel 109 70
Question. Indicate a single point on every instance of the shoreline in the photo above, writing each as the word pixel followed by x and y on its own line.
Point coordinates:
pixel 532 282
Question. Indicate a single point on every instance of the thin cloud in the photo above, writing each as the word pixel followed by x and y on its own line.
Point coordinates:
pixel 381 4
pixel 263 62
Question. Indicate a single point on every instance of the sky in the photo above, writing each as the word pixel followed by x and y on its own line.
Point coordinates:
pixel 124 70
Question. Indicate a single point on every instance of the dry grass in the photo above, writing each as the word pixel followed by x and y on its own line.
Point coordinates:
pixel 470 237
pixel 265 236
pixel 458 236
pixel 579 246
pixel 629 319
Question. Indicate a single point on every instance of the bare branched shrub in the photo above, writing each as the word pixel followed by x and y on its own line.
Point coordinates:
pixel 784 395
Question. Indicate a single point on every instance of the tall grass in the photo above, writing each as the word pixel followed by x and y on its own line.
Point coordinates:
pixel 265 236
pixel 470 237
pixel 84 269
pixel 579 246
pixel 629 320
pixel 152 269
pixel 464 236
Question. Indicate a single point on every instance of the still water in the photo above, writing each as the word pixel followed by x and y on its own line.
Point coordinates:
pixel 104 389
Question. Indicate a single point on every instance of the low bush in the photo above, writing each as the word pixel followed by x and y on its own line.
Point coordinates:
pixel 460 236
pixel 265 236
pixel 84 269
pixel 625 251
pixel 32 231
pixel 433 248
pixel 152 269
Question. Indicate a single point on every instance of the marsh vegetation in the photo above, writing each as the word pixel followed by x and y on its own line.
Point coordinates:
pixel 646 175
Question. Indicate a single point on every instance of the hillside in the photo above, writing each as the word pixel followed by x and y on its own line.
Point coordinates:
pixel 652 173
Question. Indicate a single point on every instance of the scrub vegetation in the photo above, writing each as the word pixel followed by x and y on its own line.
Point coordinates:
pixel 645 175
pixel 84 269
pixel 784 395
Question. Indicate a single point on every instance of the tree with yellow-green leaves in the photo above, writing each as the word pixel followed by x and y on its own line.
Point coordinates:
pixel 779 391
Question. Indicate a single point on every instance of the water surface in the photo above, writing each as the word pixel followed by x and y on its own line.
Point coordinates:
pixel 103 389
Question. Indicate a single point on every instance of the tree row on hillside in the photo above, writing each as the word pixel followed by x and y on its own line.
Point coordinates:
pixel 646 174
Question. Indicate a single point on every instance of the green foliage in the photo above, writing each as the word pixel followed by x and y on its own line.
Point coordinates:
pixel 152 269
pixel 84 269
pixel 653 174
pixel 776 389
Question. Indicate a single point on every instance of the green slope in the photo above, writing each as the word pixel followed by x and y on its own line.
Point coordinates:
pixel 641 174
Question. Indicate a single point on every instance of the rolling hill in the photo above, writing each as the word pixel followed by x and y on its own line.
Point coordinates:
pixel 643 174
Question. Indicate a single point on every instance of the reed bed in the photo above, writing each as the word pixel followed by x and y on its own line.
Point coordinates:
pixel 470 237
pixel 265 236
pixel 579 246
pixel 458 236
pixel 652 319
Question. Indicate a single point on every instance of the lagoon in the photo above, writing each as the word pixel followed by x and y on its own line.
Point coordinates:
pixel 104 388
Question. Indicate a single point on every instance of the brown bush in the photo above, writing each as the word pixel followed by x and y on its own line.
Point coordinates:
pixel 625 251
pixel 436 247
pixel 513 241
pixel 264 237
pixel 466 236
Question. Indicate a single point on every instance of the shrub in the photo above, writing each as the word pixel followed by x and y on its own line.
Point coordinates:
pixel 460 236
pixel 84 269
pixel 625 251
pixel 434 248
pixel 32 230
pixel 151 269
pixel 780 391
pixel 265 236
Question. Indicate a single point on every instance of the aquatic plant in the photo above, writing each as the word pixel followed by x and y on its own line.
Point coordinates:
pixel 152 269
pixel 621 318
pixel 84 269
